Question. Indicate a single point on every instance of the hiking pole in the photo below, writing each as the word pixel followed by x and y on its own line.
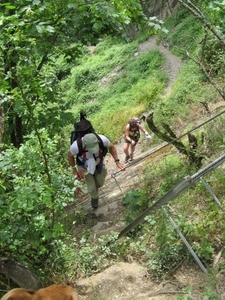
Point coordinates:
pixel 184 240
pixel 114 176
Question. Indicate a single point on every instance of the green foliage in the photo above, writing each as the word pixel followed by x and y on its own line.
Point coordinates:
pixel 184 32
pixel 88 77
pixel 156 25
pixel 165 260
pixel 186 92
pixel 209 294
pixel 136 202
pixel 87 258
pixel 215 12
pixel 204 240
pixel 144 66
pixel 47 77
pixel 61 64
pixel 111 79
pixel 214 56
pixel 32 37
pixel 190 85
pixel 163 175
pixel 109 46
pixel 196 231
pixel 214 136
pixel 31 203
pixel 204 250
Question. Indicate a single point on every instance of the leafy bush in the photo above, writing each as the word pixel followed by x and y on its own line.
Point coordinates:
pixel 34 196
pixel 136 203
pixel 214 57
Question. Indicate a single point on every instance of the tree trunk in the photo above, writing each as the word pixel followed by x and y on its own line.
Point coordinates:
pixel 169 136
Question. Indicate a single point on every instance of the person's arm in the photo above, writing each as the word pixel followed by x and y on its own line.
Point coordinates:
pixel 71 161
pixel 113 152
pixel 147 135
pixel 142 129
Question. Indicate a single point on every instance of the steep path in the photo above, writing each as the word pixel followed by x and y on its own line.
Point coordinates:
pixel 128 281
pixel 173 63
pixel 112 194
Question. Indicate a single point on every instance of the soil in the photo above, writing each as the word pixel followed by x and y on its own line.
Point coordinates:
pixel 129 280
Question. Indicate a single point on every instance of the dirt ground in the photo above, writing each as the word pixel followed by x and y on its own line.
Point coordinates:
pixel 129 280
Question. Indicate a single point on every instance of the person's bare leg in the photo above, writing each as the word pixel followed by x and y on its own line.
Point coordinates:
pixel 126 151
pixel 132 149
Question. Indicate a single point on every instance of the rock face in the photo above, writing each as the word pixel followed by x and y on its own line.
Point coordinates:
pixel 162 9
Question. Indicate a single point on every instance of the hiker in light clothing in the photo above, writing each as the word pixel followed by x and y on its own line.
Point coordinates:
pixel 132 136
pixel 91 163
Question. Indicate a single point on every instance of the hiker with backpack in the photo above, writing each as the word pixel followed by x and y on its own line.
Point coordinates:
pixel 90 149
pixel 132 136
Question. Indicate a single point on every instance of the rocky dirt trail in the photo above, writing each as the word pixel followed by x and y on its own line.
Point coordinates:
pixel 129 280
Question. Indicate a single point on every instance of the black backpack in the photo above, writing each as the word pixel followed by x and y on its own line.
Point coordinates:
pixel 80 129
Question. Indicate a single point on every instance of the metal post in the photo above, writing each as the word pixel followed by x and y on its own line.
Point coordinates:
pixel 184 240
pixel 211 192
pixel 114 176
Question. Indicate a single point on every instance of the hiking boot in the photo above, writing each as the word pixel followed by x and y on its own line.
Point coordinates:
pixel 94 203
pixel 127 158
pixel 131 156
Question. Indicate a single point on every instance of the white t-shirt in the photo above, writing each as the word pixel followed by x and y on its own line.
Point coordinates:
pixel 84 158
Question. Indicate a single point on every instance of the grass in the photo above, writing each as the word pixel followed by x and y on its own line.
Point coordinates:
pixel 134 84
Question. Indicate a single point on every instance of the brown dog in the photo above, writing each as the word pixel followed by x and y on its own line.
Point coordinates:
pixel 52 292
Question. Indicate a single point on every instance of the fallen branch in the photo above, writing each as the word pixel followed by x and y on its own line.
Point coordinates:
pixel 217 258
pixel 153 294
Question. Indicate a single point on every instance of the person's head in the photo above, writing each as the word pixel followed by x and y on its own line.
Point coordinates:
pixel 91 143
pixel 134 121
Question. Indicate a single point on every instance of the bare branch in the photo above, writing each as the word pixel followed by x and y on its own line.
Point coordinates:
pixel 196 12
pixel 210 79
